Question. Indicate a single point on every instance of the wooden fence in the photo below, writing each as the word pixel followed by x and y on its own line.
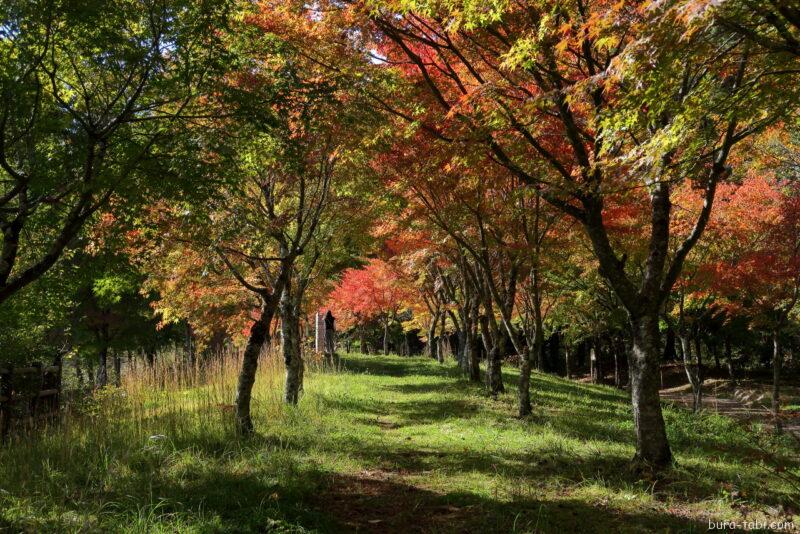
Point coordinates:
pixel 28 393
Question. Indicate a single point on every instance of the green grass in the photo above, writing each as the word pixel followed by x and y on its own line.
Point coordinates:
pixel 386 444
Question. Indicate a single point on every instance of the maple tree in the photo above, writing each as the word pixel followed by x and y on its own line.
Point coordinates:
pixel 282 147
pixel 758 272
pixel 531 180
pixel 542 89
pixel 375 292
pixel 78 128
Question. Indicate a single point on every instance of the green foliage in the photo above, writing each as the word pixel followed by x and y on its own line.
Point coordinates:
pixel 35 322
pixel 93 99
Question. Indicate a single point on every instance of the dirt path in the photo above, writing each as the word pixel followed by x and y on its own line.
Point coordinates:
pixel 746 401
pixel 431 453
pixel 380 501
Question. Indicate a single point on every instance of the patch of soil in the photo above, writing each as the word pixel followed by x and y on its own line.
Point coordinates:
pixel 746 400
pixel 386 425
pixel 379 501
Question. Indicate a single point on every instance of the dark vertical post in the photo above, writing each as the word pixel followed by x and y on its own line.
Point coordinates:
pixel 6 392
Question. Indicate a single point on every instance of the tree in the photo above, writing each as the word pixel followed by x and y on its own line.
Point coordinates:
pixel 278 133
pixel 373 293
pixel 93 96
pixel 758 268
pixel 571 99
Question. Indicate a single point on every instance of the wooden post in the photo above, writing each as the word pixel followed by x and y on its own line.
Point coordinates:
pixel 44 399
pixel 319 334
pixel 6 392
pixel 33 403
pixel 59 383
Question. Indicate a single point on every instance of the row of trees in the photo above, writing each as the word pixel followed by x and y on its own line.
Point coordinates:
pixel 624 120
pixel 527 167
pixel 194 144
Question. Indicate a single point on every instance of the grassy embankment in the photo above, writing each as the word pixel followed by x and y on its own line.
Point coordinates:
pixel 385 444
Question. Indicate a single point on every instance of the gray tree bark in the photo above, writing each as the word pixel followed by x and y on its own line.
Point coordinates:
pixel 619 350
pixel 290 341
pixel 117 370
pixel 102 356
pixel 431 348
pixel 692 373
pixel 777 357
pixel 651 436
pixel 472 355
pixel 524 407
pixel 729 357
pixel 259 336
pixel 438 344
pixel 491 341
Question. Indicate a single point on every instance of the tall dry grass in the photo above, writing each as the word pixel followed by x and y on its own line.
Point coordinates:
pixel 171 406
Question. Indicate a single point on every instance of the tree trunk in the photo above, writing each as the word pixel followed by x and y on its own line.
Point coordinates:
pixel 102 360
pixel 698 349
pixel 117 370
pixel 729 357
pixel 431 349
pixel 595 356
pixel 524 393
pixel 472 355
pixel 495 371
pixel 538 324
pixel 628 341
pixel 460 351
pixel 692 373
pixel 531 353
pixel 491 341
pixel 189 347
pixel 362 347
pixel 669 345
pixel 652 447
pixel 567 362
pixel 79 373
pixel 500 347
pixel 386 337
pixel 777 356
pixel 440 354
pixel 290 338
pixel 601 372
pixel 259 336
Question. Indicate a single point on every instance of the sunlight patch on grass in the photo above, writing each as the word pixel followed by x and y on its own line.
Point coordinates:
pixel 159 457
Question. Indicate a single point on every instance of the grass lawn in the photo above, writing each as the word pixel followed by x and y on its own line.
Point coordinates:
pixel 386 444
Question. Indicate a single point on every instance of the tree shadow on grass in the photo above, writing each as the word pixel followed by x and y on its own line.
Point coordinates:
pixel 374 501
pixel 271 482
pixel 396 366
pixel 588 418
pixel 405 413
pixel 370 501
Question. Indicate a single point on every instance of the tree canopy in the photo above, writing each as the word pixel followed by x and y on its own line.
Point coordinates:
pixel 546 184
